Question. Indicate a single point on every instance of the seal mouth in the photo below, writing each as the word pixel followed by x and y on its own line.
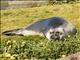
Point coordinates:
pixel 55 37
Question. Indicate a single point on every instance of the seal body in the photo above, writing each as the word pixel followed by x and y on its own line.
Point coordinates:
pixel 51 28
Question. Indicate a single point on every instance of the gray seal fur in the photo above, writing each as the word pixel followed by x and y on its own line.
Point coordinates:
pixel 51 28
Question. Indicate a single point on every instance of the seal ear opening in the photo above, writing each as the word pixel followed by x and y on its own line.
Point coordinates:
pixel 74 31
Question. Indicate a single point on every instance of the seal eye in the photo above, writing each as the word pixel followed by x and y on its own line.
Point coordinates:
pixel 57 32
pixel 60 33
pixel 51 32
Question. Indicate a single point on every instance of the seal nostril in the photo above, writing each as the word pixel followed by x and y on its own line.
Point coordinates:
pixel 52 37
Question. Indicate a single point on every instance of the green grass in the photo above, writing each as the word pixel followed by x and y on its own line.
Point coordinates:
pixel 36 47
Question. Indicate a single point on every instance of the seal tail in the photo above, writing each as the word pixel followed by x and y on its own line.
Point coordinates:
pixel 13 32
